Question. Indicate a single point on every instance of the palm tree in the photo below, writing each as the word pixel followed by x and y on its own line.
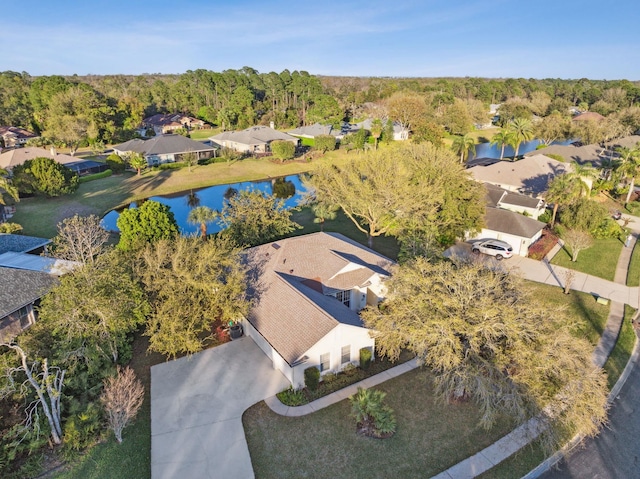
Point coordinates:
pixel 5 184
pixel 501 139
pixel 563 190
pixel 202 215
pixel 137 161
pixel 629 166
pixel 324 212
pixel 462 145
pixel 520 130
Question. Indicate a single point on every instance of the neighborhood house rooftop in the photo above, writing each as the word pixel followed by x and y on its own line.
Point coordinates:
pixel 20 243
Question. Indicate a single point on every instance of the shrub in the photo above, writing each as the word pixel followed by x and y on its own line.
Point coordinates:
pixel 312 378
pixel 82 428
pixel 546 216
pixel 365 358
pixel 116 163
pixel 292 397
pixel 10 228
pixel 373 418
pixel 170 166
pixel 283 149
pixel 325 143
pixel 96 176
pixel 44 176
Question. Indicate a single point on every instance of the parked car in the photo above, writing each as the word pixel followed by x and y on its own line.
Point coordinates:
pixel 493 247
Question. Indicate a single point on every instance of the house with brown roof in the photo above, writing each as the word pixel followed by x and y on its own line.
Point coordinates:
pixel 18 156
pixel 163 123
pixel 306 292
pixel 255 139
pixel 14 136
pixel 588 116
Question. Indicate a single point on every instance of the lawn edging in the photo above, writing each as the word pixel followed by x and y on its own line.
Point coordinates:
pixel 576 440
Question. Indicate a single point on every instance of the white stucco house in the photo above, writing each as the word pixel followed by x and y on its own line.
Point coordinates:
pixel 306 292
pixel 255 139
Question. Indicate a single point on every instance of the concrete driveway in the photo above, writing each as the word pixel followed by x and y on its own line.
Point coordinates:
pixel 197 404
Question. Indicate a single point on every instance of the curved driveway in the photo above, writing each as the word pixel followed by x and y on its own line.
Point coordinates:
pixel 615 453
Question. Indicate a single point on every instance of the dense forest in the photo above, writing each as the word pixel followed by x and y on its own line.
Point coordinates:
pixel 107 109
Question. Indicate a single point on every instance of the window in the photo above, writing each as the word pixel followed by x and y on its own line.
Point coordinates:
pixel 23 316
pixel 325 363
pixel 344 297
pixel 345 354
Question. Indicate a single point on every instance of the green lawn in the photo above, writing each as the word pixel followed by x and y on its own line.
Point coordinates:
pixel 204 133
pixel 623 349
pixel 633 274
pixel 431 437
pixel 39 216
pixel 599 260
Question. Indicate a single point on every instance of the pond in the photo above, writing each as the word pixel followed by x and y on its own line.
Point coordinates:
pixel 288 188
pixel 487 150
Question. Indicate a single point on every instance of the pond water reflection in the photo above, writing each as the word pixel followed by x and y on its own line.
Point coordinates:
pixel 288 188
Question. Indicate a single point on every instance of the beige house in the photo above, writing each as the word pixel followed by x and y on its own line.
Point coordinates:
pixel 306 292
pixel 163 123
pixel 14 136
pixel 255 139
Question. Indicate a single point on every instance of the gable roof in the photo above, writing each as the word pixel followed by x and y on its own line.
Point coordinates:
pixel 18 156
pixel 255 135
pixel 531 174
pixel 588 116
pixel 289 280
pixel 170 119
pixel 19 288
pixel 509 222
pixel 33 262
pixel 21 243
pixel 163 145
pixel 580 154
pixel 497 196
pixel 16 132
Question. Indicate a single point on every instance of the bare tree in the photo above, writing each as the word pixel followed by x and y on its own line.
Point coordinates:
pixel 122 397
pixel 46 382
pixel 569 276
pixel 80 238
pixel 577 240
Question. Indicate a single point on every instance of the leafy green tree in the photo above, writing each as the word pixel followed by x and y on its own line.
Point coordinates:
pixel 457 119
pixel 356 140
pixel 283 150
pixel 6 186
pixel 44 176
pixel 520 130
pixel 325 143
pixel 553 128
pixel 190 158
pixel 488 340
pixel 405 190
pixel 253 218
pixel 325 110
pixel 585 214
pixel 94 309
pixel 190 283
pixel 407 109
pixel 323 213
pixel 202 215
pixel 148 223
pixel 429 131
pixel 137 162
pixel 376 130
pixel 463 145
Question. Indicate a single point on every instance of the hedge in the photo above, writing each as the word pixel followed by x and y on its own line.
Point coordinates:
pixel 96 176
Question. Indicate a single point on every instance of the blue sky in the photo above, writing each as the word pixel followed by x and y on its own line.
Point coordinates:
pixel 490 38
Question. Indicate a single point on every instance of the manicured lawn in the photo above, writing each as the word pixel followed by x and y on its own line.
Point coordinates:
pixel 623 349
pixel 599 260
pixel 132 458
pixel 589 316
pixel 39 216
pixel 204 133
pixel 517 465
pixel 431 437
pixel 633 274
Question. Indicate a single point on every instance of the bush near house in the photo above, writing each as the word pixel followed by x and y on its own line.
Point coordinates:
pixel 312 378
pixel 96 176
pixel 116 164
pixel 365 358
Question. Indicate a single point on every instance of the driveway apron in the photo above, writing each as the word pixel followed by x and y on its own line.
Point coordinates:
pixel 197 404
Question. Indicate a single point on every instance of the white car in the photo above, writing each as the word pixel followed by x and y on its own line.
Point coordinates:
pixel 493 247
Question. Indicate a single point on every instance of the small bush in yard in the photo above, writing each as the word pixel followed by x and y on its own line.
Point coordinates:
pixel 365 358
pixel 312 378
pixel 292 397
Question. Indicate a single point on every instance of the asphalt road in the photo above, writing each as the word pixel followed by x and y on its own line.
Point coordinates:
pixel 615 453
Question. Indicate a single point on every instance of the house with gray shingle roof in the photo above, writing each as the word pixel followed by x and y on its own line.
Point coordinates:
pixel 21 243
pixel 512 217
pixel 20 290
pixel 306 292
pixel 165 148
pixel 255 139
pixel 311 131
